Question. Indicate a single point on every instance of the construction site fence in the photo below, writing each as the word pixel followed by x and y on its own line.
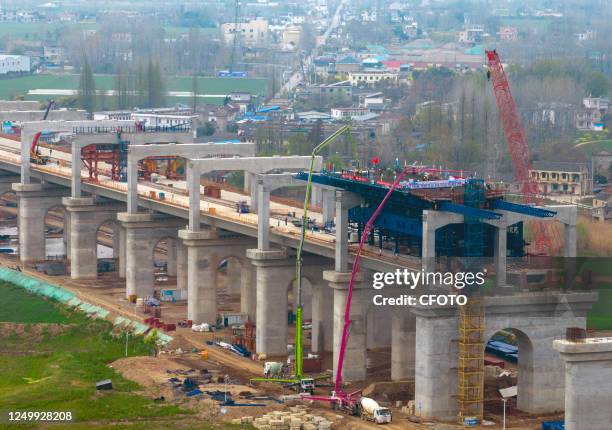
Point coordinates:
pixel 70 299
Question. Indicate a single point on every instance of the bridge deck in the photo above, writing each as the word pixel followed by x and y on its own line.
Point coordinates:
pixel 319 242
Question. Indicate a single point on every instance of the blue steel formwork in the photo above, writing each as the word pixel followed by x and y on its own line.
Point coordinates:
pixel 400 222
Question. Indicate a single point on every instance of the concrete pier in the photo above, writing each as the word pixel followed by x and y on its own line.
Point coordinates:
pixel 344 202
pixel 403 345
pixel 143 231
pixel 171 254
pixel 536 319
pixel 588 392
pixel 202 264
pixel 322 323
pixel 181 265
pixel 85 218
pixel 206 248
pixel 248 291
pixel 122 250
pixel 356 352
pixel 274 274
pixel 34 200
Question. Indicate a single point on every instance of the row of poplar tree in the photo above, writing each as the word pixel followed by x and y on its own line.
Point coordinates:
pixel 141 86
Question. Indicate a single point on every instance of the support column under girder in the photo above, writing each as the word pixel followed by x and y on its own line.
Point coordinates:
pixel 248 290
pixel 85 219
pixel 201 276
pixel 403 345
pixel 322 318
pixel 355 358
pixel 274 272
pixel 181 267
pixel 33 201
pixel 588 392
pixel 142 232
pixel 205 250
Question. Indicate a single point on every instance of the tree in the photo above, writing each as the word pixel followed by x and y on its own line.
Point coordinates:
pixel 299 144
pixel 194 91
pixel 208 129
pixel 122 89
pixel 87 88
pixel 598 85
pixel 154 85
pixel 152 341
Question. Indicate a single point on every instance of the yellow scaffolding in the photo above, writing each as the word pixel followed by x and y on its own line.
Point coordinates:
pixel 471 360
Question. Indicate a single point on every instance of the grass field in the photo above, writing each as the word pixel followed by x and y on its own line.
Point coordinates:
pixel 21 307
pixel 59 371
pixel 12 87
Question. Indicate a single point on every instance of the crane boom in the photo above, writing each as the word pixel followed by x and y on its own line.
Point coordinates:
pixel 34 153
pixel 299 354
pixel 347 310
pixel 517 142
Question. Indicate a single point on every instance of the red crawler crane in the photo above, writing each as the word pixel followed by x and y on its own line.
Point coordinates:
pixel 517 144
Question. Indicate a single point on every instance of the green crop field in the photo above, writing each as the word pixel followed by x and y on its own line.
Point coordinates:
pixel 44 371
pixel 19 86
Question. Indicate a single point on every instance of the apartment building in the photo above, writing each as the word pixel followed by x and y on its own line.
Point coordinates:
pixel 252 33
pixel 561 178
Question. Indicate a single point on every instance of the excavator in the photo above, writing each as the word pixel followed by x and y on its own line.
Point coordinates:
pixel 35 156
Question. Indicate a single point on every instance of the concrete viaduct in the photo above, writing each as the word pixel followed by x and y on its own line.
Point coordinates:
pixel 200 238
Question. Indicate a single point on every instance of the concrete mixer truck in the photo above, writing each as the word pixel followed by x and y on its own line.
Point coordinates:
pixel 370 410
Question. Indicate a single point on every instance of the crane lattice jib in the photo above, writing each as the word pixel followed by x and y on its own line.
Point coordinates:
pixel 517 142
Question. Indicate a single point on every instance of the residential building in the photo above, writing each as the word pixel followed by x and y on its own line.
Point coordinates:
pixel 509 34
pixel 561 178
pixel 220 115
pixel 251 33
pixel 602 162
pixel 291 35
pixel 14 64
pixel 592 115
pixel 313 116
pixel 53 54
pixel 342 88
pixel 602 204
pixel 369 16
pixel 348 64
pixel 371 77
pixel 372 101
pixel 163 120
pixel 345 114
pixel 586 35
pixel 324 65
pixel 471 33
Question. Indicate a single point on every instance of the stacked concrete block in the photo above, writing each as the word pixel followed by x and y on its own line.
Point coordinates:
pixel 296 418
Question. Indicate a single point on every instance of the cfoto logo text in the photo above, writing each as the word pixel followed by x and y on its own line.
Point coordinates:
pixel 424 300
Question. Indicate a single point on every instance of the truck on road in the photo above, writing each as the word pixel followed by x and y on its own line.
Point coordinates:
pixel 370 410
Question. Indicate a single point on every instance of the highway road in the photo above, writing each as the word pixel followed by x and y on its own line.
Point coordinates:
pixel 295 79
